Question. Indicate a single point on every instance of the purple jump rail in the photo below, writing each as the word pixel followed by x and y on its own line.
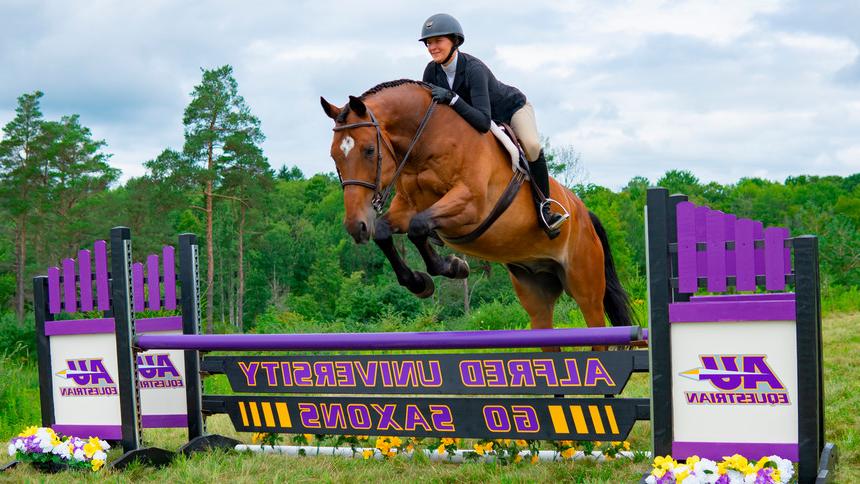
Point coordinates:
pixel 529 338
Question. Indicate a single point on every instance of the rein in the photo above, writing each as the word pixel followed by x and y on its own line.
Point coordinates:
pixel 380 197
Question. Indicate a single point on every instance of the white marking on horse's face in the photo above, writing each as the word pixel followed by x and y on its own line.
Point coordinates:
pixel 346 145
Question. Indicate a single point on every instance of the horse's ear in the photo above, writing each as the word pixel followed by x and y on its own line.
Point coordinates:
pixel 357 106
pixel 330 109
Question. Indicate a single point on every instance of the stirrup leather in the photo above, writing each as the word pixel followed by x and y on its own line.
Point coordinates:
pixel 563 216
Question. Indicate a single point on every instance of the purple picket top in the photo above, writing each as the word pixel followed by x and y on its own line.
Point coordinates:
pixel 86 280
pixel 774 259
pixel 786 234
pixel 686 222
pixel 54 290
pixel 137 286
pixel 152 282
pixel 758 234
pixel 169 271
pixel 702 236
pixel 745 255
pixel 730 222
pixel 716 250
pixel 102 275
pixel 70 304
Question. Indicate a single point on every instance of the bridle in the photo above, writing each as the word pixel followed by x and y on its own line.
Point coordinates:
pixel 380 197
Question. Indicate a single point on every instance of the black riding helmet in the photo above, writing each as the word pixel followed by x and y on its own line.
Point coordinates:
pixel 443 24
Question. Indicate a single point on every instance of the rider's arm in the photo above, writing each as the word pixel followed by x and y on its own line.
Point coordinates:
pixel 478 113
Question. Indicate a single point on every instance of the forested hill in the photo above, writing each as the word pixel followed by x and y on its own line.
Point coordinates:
pixel 278 247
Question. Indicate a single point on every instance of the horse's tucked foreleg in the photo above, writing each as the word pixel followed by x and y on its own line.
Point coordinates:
pixel 418 283
pixel 450 266
pixel 454 210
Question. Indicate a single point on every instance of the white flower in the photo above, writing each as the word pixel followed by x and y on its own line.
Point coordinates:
pixel 62 450
pixel 79 455
pixel 691 479
pixel 19 444
pixel 786 468
pixel 702 469
pixel 12 449
pixel 104 444
pixel 46 446
pixel 681 468
pixel 99 455
pixel 736 477
pixel 651 479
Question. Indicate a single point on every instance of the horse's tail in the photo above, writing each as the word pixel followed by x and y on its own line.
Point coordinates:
pixel 616 302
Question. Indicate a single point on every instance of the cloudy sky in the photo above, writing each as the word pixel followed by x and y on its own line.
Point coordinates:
pixel 724 88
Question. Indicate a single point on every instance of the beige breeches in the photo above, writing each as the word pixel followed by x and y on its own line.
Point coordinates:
pixel 525 126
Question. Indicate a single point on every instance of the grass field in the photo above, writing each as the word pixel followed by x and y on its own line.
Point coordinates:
pixel 19 407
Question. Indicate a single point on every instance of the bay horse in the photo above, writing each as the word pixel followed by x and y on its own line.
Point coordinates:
pixel 448 178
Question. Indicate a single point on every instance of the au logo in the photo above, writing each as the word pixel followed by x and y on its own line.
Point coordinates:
pixel 738 379
pixel 89 371
pixel 156 366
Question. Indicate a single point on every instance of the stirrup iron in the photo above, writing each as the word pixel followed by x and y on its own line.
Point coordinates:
pixel 563 216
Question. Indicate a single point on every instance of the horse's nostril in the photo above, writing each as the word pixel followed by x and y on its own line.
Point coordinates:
pixel 362 227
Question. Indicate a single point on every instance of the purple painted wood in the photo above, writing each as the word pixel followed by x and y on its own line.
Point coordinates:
pixel 686 218
pixel 80 326
pixel 102 276
pixel 54 290
pixel 152 282
pixel 774 260
pixel 702 236
pixel 70 303
pixel 716 251
pixel 137 286
pixel 786 234
pixel 167 258
pixel 744 255
pixel 749 310
pixel 758 234
pixel 763 296
pixel 164 323
pixel 518 338
pixel 85 272
pixel 730 222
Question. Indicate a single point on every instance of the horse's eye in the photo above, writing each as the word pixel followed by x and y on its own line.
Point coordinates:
pixel 368 152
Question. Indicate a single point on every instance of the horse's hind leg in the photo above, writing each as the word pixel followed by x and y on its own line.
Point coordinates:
pixel 585 282
pixel 538 292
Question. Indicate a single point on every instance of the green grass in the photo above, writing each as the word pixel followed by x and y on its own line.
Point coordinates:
pixel 19 408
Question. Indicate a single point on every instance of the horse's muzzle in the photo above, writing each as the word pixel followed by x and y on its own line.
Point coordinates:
pixel 359 230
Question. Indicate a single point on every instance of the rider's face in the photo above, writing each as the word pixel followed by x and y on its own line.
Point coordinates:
pixel 439 47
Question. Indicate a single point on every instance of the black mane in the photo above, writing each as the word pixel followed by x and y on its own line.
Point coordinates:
pixel 341 118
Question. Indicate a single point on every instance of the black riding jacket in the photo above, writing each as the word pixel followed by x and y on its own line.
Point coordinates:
pixel 482 96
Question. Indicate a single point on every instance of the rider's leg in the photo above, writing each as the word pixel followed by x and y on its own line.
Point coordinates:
pixel 525 126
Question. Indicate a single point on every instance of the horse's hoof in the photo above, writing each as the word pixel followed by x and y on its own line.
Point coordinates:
pixel 459 268
pixel 427 287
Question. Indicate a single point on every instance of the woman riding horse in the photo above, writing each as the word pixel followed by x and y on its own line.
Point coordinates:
pixel 476 95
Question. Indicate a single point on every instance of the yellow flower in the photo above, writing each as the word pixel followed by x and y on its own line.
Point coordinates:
pixel 97 464
pixel 679 477
pixel 390 454
pixel 479 449
pixel 257 437
pixel 568 453
pixel 367 454
pixel 691 461
pixel 566 442
pixel 518 458
pixel 309 437
pixel 535 459
pixel 91 447
pixel 447 441
pixel 521 443
pixel 615 444
pixel 29 431
pixel 441 449
pixel 395 441
pixel 626 445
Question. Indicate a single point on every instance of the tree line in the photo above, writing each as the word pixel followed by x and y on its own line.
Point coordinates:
pixel 273 238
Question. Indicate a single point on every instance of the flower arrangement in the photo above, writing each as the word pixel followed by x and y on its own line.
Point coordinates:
pixel 731 470
pixel 45 449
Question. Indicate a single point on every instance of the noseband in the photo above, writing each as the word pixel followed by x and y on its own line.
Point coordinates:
pixel 380 197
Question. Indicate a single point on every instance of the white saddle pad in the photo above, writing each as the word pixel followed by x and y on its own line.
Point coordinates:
pixel 509 145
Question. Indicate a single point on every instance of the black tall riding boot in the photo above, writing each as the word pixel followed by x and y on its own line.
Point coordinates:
pixel 550 221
